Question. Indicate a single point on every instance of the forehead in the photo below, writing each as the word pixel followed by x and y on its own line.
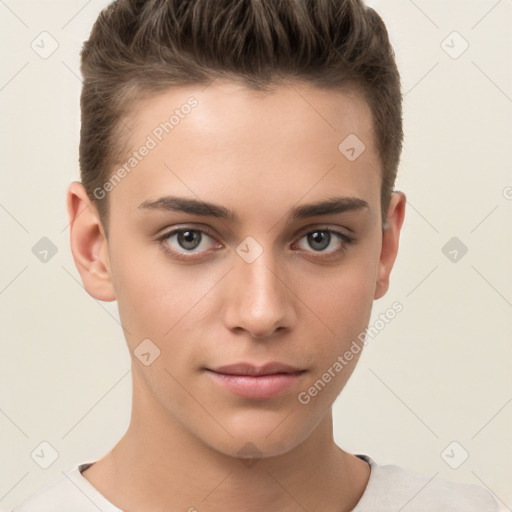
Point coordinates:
pixel 227 142
pixel 290 112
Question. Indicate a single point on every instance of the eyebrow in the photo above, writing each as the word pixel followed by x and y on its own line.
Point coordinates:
pixel 207 209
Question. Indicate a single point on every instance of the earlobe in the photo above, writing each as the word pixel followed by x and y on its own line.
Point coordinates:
pixel 390 242
pixel 89 244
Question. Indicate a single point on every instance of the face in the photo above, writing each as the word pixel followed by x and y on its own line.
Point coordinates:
pixel 218 256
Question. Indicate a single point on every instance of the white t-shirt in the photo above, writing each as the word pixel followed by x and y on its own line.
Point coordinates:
pixel 389 489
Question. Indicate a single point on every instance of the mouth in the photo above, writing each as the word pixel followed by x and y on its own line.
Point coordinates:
pixel 256 382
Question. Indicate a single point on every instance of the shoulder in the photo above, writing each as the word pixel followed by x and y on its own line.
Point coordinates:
pixel 392 488
pixel 69 492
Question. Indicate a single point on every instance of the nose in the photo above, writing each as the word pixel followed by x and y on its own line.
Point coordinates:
pixel 260 299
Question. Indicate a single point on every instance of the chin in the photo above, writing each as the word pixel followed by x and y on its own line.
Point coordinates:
pixel 251 450
pixel 254 440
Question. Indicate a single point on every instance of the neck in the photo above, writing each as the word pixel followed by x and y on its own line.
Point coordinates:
pixel 158 465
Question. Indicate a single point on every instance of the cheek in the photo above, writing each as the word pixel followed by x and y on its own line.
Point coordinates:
pixel 343 302
pixel 159 299
pixel 151 298
pixel 343 310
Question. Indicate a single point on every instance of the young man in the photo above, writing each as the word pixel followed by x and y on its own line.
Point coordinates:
pixel 238 161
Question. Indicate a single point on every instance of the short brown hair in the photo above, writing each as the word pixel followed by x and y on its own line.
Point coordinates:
pixel 141 47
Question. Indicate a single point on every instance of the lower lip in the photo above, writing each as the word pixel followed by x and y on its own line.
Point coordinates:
pixel 257 387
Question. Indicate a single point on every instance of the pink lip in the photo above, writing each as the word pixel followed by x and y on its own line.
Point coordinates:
pixel 249 369
pixel 258 383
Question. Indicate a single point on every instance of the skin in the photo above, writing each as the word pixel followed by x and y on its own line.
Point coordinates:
pixel 259 155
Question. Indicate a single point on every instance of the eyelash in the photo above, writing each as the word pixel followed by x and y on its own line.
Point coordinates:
pixel 346 239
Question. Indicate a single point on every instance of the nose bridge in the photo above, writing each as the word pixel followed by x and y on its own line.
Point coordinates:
pixel 260 302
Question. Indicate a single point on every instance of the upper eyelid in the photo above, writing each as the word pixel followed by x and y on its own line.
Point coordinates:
pixel 173 231
pixel 324 228
pixel 302 232
pixel 299 235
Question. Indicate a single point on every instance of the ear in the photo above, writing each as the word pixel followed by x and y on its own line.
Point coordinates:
pixel 390 238
pixel 89 244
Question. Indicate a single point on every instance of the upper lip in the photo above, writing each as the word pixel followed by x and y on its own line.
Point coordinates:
pixel 250 369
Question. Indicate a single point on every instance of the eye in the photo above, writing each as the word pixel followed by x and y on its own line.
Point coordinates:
pixel 187 243
pixel 321 239
pixel 182 242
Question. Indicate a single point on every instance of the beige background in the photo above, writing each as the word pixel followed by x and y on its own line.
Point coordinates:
pixel 438 373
